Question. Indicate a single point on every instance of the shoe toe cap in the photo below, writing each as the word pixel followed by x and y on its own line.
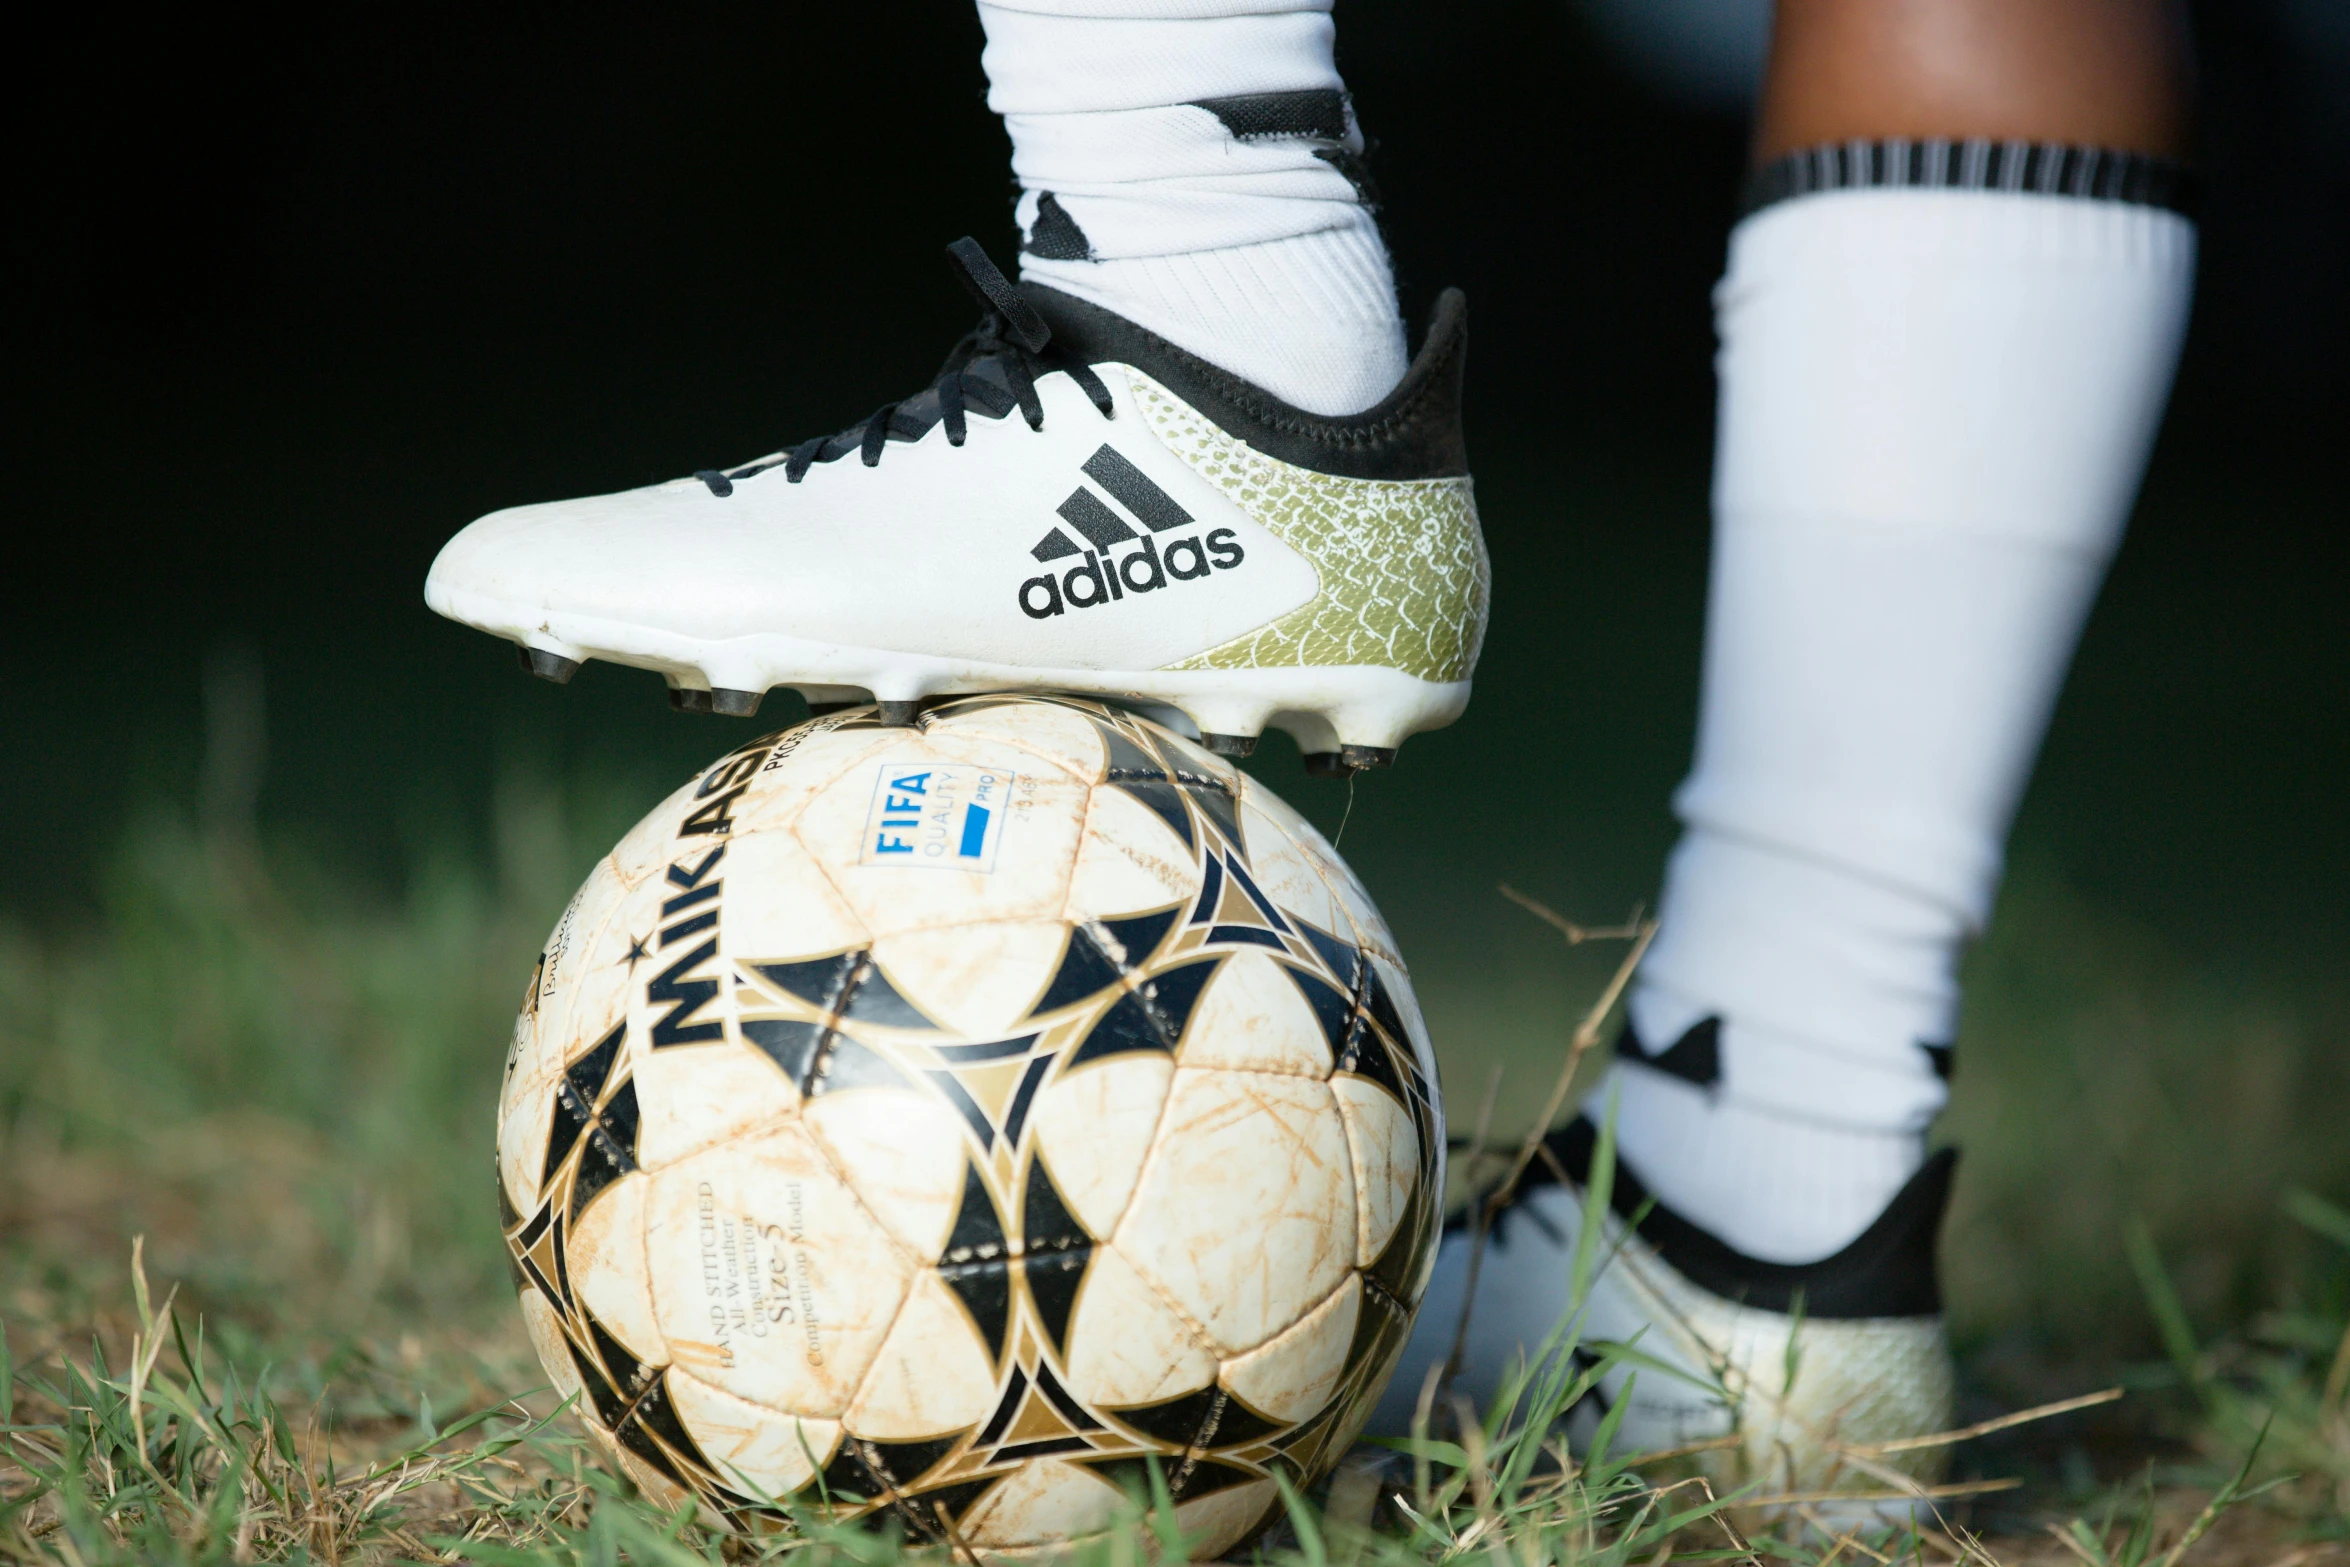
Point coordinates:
pixel 608 555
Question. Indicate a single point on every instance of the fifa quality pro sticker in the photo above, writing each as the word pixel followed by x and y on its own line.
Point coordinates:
pixel 942 818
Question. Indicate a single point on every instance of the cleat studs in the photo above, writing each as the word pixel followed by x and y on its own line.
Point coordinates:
pixel 899 715
pixel 733 703
pixel 546 665
pixel 1348 760
pixel 689 699
pixel 1228 745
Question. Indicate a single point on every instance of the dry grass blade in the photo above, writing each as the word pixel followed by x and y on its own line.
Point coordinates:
pixel 1739 1545
pixel 1586 1038
pixel 1838 1544
pixel 2338 1376
pixel 1963 1546
pixel 1931 1493
pixel 2063 1406
pixel 1719 1444
pixel 1576 934
pixel 2063 1536
pixel 2222 1499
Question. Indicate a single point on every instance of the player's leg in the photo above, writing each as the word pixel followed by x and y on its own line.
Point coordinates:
pixel 2110 74
pixel 1948 327
pixel 1166 465
pixel 1198 169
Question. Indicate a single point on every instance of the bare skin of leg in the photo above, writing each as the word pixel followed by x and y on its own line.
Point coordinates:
pixel 2096 73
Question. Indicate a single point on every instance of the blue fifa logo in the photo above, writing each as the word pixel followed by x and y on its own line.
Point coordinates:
pixel 937 817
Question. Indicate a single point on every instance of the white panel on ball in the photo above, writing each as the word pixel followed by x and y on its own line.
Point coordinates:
pixel 545 1327
pixel 1094 1127
pixel 977 981
pixel 1060 735
pixel 1245 1216
pixel 1130 860
pixel 652 843
pixel 1255 1019
pixel 770 1279
pixel 697 1096
pixel 901 1151
pixel 780 903
pixel 1292 1377
pixel 1048 1500
pixel 598 997
pixel 1287 873
pixel 1408 1005
pixel 755 1450
pixel 1128 1345
pixel 571 954
pixel 801 764
pixel 933 1374
pixel 607 1257
pixel 1385 1151
pixel 522 1140
pixel 905 869
pixel 1215 1523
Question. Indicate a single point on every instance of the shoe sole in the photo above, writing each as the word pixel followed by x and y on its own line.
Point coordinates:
pixel 1344 717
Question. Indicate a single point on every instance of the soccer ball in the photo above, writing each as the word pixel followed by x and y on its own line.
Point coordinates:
pixel 940 1123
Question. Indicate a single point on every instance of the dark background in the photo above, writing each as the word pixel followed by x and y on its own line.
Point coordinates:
pixel 296 300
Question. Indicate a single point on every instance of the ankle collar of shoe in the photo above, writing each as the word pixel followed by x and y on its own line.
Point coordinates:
pixel 1414 432
pixel 1888 1270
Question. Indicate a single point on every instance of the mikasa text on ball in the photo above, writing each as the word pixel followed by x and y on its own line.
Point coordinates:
pixel 940 1120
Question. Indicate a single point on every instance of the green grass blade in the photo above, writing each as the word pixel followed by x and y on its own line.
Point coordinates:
pixel 1451 1454
pixel 1301 1519
pixel 1597 1192
pixel 2226 1497
pixel 1162 1515
pixel 2170 1316
pixel 2319 1215
pixel 1603 1440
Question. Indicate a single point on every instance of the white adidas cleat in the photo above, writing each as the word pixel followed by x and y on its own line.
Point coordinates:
pixel 1809 1370
pixel 1074 504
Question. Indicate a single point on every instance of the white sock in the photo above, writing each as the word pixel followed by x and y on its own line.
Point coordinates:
pixel 1935 409
pixel 1237 231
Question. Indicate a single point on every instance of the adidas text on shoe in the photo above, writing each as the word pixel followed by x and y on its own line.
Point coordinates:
pixel 1073 504
pixel 1799 1385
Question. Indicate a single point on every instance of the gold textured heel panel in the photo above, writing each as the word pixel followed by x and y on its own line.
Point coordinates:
pixel 1402 563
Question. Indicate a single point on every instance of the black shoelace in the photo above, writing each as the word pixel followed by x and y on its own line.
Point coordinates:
pixel 992 371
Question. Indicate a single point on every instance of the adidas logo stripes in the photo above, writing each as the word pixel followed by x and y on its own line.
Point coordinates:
pixel 1102 578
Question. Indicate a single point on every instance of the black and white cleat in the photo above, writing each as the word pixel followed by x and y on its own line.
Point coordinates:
pixel 1229 745
pixel 689 699
pixel 1061 454
pixel 734 704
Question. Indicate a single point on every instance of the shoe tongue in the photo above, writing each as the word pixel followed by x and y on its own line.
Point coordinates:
pixel 987 392
pixel 987 373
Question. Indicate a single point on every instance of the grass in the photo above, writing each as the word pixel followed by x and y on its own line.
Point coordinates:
pixel 270 1094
